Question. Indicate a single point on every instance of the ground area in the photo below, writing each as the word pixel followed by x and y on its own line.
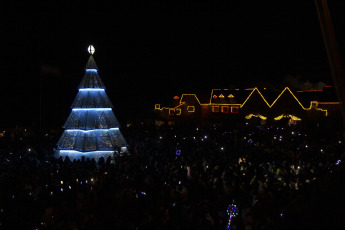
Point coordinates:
pixel 180 177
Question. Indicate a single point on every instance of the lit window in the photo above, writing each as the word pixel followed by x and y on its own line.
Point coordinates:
pixel 171 111
pixel 157 106
pixel 215 109
pixel 225 109
pixel 231 96
pixel 190 109
pixel 313 104
pixel 221 96
pixel 176 98
pixel 178 111
pixel 214 96
pixel 234 109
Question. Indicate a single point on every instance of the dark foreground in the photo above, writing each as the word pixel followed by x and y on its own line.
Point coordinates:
pixel 285 177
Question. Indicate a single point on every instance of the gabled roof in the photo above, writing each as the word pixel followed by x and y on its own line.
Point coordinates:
pixel 255 98
pixel 189 99
pixel 327 94
pixel 287 96
pixel 229 96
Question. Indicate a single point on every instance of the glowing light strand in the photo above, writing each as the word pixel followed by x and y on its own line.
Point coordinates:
pixel 93 130
pixel 286 89
pixel 91 70
pixel 91 89
pixel 88 109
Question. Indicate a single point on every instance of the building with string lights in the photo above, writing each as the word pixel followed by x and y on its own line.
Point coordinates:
pixel 91 130
pixel 253 103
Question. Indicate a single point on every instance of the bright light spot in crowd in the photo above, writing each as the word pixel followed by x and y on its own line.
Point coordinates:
pixel 221 148
pixel 321 150
pixel 338 162
pixel 306 146
pixel 61 182
pixel 61 189
pixel 91 49
pixel 69 187
pixel 205 137
pixel 29 149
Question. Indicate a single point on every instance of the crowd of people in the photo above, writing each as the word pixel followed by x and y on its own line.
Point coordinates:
pixel 179 177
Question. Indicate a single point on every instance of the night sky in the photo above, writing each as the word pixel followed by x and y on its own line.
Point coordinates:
pixel 149 51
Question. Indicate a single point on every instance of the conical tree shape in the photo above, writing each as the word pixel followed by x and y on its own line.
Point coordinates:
pixel 91 129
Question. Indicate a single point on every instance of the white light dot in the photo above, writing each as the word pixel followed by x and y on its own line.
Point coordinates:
pixel 91 49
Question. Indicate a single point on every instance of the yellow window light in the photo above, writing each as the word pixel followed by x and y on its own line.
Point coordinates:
pixel 171 111
pixel 215 109
pixel 225 109
pixel 190 109
pixel 234 109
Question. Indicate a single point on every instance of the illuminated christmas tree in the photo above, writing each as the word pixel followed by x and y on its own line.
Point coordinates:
pixel 91 130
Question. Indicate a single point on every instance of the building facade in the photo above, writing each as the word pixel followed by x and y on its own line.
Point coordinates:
pixel 252 103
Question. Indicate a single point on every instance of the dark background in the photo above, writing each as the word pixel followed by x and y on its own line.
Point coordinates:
pixel 149 51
